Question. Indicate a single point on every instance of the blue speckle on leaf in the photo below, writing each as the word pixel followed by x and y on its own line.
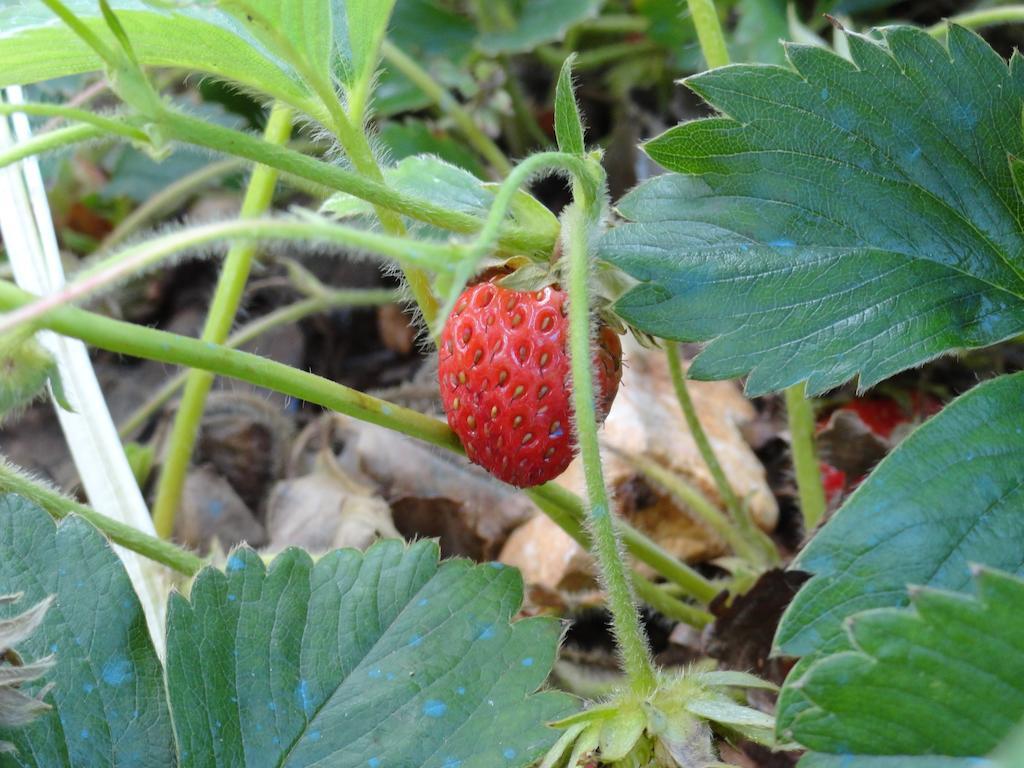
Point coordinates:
pixel 235 563
pixel 824 94
pixel 509 753
pixel 528 661
pixel 422 601
pixel 486 633
pixel 434 708
pixel 782 243
pixel 390 676
pixel 303 694
pixel 117 671
pixel 272 706
pixel 232 598
pixel 451 762
pixel 415 640
pixel 88 687
pixel 376 673
pixel 496 566
pixel 461 691
pixel 215 508
pixel 313 735
pixel 53 646
pixel 85 733
pixel 373 762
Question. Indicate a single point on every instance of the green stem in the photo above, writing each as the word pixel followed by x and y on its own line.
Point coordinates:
pixel 50 141
pixel 168 199
pixel 59 506
pixel 738 511
pixel 112 125
pixel 193 131
pixel 697 503
pixel 567 514
pixel 423 80
pixel 632 643
pixel 82 30
pixel 227 298
pixel 805 460
pixel 607 54
pixel 643 548
pixel 291 313
pixel 986 17
pixel 151 344
pixel 132 260
pixel 709 32
pixel 487 239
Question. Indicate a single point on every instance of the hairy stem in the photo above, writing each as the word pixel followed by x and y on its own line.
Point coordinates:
pixel 193 131
pixel 59 138
pixel 758 547
pixel 129 262
pixel 59 506
pixel 227 298
pixel 423 80
pixel 151 344
pixel 805 460
pixel 985 17
pixel 632 643
pixel 709 32
pixel 118 127
pixel 369 297
pixel 167 199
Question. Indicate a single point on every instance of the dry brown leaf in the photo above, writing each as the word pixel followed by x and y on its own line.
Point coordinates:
pixel 549 557
pixel 436 494
pixel 211 509
pixel 326 509
pixel 646 420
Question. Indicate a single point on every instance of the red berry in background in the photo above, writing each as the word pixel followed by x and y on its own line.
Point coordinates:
pixel 504 372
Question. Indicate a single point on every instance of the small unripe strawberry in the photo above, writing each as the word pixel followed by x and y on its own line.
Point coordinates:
pixel 504 375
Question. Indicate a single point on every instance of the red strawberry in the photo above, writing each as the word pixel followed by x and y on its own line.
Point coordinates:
pixel 504 371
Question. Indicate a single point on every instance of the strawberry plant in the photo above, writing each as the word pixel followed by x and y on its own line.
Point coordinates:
pixel 852 207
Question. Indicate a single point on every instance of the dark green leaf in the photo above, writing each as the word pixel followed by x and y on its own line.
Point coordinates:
pixel 840 219
pixel 414 137
pixel 536 22
pixel 359 660
pixel 948 495
pixel 35 46
pixel 944 677
pixel 568 124
pixel 108 697
pixel 304 26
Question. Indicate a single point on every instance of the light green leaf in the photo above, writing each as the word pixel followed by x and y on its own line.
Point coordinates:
pixel 445 184
pixel 380 659
pixel 35 45
pixel 944 677
pixel 360 26
pixel 821 760
pixel 948 495
pixel 306 26
pixel 719 709
pixel 568 124
pixel 535 22
pixel 840 218
pixel 108 697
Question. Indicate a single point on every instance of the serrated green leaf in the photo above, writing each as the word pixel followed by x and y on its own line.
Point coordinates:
pixel 840 219
pixel 35 45
pixel 535 22
pixel 377 659
pixel 944 677
pixel 568 124
pixel 108 695
pixel 949 495
pixel 360 26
